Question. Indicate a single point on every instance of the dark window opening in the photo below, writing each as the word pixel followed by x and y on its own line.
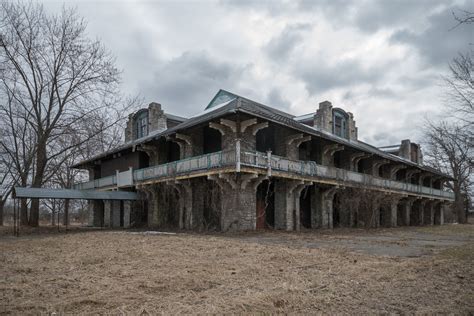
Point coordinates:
pixel 143 160
pixel 265 140
pixel 173 151
pixel 338 159
pixel 212 140
pixel 305 151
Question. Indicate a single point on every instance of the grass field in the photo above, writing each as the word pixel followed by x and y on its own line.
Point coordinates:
pixel 401 270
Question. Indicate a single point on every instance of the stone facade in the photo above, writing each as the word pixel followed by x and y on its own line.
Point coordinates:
pixel 226 199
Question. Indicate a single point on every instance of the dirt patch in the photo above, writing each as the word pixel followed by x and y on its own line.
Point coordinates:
pixel 120 272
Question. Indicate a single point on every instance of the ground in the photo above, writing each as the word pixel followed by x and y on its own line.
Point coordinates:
pixel 399 270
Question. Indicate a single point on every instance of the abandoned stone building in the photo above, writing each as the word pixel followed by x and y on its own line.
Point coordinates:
pixel 241 165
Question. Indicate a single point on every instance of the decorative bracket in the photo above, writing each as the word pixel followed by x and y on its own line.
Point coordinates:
pixel 258 127
pixel 217 126
pixel 186 138
pixel 332 149
pixel 230 124
pixel 247 123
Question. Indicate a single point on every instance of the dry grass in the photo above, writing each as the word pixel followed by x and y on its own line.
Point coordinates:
pixel 119 272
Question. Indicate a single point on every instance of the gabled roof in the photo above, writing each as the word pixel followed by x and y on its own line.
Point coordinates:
pixel 233 103
pixel 222 96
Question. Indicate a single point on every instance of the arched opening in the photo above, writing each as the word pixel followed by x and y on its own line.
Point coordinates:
pixel 265 205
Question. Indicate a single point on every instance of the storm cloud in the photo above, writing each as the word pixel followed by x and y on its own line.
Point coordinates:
pixel 383 60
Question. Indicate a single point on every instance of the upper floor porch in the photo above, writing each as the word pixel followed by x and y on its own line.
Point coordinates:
pixel 231 161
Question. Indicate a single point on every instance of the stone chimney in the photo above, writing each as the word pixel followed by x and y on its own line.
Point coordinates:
pixel 351 125
pixel 129 129
pixel 156 118
pixel 405 149
pixel 323 117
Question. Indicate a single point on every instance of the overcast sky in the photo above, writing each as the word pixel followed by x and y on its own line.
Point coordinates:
pixel 381 60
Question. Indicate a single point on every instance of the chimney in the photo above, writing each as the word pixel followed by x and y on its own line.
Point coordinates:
pixel 351 125
pixel 156 117
pixel 405 149
pixel 323 117
pixel 129 130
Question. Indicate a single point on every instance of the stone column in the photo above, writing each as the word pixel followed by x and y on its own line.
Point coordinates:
pixel 107 213
pixel 96 213
pixel 393 213
pixel 439 213
pixel 284 204
pixel 390 209
pixel 152 195
pixel 287 204
pixel 239 200
pixel 406 205
pixel 418 212
pixel 429 213
pixel 322 207
pixel 185 193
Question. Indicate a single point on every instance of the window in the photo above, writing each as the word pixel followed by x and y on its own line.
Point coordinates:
pixel 142 124
pixel 340 124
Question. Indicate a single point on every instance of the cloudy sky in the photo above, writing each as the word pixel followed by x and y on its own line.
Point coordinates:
pixel 382 60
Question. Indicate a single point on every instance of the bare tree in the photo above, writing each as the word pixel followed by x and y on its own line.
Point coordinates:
pixel 451 149
pixel 7 180
pixel 61 81
pixel 463 17
pixel 460 89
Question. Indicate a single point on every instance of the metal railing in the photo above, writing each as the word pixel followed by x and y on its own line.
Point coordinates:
pixel 311 169
pixel 266 161
pixel 97 183
pixel 187 165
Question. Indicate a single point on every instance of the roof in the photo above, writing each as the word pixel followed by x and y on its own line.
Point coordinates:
pixel 44 193
pixel 240 104
pixel 175 117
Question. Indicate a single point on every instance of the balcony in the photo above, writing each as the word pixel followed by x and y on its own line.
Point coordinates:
pixel 232 161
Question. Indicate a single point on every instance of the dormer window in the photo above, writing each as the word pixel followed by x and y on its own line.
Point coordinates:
pixel 141 122
pixel 340 124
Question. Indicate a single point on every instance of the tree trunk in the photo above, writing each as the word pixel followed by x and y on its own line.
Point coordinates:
pixel 66 213
pixel 459 209
pixel 52 218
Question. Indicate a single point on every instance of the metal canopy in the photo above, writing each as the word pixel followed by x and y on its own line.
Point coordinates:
pixel 43 193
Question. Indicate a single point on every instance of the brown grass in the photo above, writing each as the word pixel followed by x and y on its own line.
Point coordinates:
pixel 118 272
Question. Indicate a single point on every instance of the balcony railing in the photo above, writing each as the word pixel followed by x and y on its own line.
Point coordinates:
pixel 237 159
pixel 311 169
pixel 204 162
